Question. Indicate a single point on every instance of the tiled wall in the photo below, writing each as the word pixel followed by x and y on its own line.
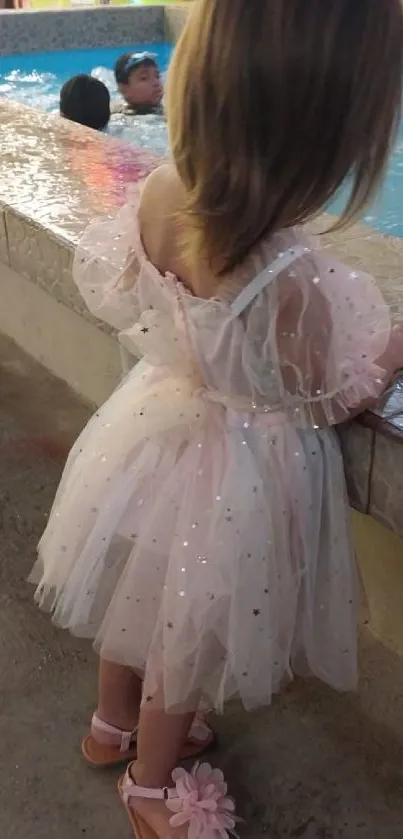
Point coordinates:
pixel 175 17
pixel 80 28
pixel 37 255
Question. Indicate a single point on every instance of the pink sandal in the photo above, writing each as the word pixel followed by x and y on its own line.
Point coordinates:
pixel 198 799
pixel 109 746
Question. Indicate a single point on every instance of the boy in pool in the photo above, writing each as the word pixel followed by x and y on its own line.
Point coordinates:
pixel 87 101
pixel 139 81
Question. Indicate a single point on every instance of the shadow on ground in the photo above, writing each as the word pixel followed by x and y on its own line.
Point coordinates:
pixel 314 766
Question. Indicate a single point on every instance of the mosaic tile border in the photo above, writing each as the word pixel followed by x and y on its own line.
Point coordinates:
pixel 43 258
pixel 64 29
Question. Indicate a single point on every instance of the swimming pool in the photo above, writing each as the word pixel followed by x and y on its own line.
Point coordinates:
pixel 36 79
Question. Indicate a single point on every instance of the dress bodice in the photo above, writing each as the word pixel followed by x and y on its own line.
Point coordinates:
pixel 293 329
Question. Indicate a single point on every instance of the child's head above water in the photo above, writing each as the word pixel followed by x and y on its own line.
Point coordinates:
pixel 139 80
pixel 271 105
pixel 86 100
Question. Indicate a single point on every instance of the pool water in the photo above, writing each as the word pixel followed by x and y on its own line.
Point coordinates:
pixel 36 80
pixel 386 213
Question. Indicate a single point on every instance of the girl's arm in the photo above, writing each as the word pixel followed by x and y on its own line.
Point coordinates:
pixel 107 263
pixel 336 352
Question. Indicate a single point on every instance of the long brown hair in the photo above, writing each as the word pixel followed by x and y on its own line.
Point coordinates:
pixel 271 105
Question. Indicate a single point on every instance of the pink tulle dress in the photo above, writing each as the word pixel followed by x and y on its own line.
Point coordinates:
pixel 200 533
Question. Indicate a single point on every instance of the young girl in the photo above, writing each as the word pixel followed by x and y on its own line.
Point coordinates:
pixel 200 533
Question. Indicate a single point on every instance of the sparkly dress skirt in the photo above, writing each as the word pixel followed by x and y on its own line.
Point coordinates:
pixel 204 547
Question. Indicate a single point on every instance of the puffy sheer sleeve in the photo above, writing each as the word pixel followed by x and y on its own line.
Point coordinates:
pixel 333 338
pixel 107 264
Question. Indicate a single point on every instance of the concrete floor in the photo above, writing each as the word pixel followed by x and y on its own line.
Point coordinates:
pixel 314 766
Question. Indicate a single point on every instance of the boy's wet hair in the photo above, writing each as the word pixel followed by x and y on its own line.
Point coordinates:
pixel 272 105
pixel 87 101
pixel 129 61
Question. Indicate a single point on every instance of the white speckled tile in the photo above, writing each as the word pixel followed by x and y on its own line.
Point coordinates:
pixel 175 17
pixel 66 29
pixel 46 261
pixel 40 257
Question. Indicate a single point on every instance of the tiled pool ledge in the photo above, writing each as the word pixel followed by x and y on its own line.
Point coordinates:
pixel 55 177
pixel 102 26
pixel 65 29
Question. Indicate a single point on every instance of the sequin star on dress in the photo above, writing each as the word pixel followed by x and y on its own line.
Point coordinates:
pixel 200 531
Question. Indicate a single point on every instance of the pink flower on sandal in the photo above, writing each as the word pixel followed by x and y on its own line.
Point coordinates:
pixel 202 803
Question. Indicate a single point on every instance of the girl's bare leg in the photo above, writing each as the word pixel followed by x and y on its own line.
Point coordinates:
pixel 119 695
pixel 161 738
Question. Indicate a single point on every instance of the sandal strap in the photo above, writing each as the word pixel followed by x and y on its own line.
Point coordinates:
pixel 131 790
pixel 126 737
pixel 199 731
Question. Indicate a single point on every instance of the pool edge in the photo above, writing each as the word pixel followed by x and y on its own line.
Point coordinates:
pixel 64 29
